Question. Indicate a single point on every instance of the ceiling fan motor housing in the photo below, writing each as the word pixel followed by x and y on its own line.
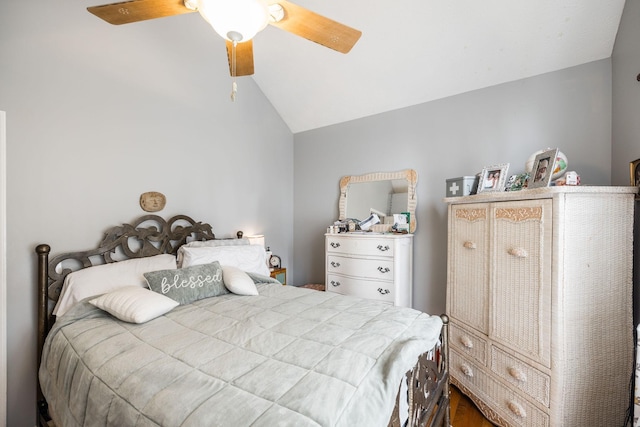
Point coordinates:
pixel 235 20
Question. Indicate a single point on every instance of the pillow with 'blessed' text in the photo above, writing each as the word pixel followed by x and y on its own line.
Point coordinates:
pixel 188 284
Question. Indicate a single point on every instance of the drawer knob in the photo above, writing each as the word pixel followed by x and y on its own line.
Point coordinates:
pixel 466 370
pixel 335 283
pixel 517 409
pixel 335 264
pixel 518 374
pixel 383 269
pixel 383 248
pixel 518 252
pixel 466 341
pixel 334 245
pixel 383 291
pixel 469 245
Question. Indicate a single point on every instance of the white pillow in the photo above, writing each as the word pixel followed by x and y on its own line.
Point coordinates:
pixel 209 243
pixel 101 279
pixel 250 258
pixel 134 304
pixel 237 281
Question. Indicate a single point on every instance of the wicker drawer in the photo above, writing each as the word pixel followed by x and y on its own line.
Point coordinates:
pixel 466 371
pixel 366 268
pixel 522 375
pixel 511 406
pixel 356 246
pixel 467 343
pixel 380 291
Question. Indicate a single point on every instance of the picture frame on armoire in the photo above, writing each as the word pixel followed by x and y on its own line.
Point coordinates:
pixel 543 167
pixel 493 178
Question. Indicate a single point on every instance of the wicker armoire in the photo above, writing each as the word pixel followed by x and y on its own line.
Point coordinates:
pixel 539 293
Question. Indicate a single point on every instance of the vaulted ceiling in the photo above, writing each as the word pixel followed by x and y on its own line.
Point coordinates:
pixel 415 51
pixel 412 51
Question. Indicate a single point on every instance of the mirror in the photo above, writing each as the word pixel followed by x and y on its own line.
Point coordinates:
pixel 383 193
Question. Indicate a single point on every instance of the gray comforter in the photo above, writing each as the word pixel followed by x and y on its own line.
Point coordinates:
pixel 288 357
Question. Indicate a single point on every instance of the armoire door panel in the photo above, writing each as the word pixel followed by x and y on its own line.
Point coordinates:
pixel 521 251
pixel 469 244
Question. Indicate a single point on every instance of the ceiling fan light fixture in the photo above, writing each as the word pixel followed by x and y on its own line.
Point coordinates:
pixel 235 20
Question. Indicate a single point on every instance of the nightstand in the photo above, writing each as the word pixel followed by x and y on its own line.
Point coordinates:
pixel 280 274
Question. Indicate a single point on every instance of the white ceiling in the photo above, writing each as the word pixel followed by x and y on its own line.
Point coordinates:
pixel 414 51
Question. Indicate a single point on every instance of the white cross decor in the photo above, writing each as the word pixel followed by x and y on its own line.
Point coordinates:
pixel 454 188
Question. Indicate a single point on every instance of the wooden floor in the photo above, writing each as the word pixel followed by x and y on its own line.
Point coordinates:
pixel 464 413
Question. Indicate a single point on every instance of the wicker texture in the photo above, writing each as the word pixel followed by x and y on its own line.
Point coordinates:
pixel 468 245
pixel 521 252
pixel 493 394
pixel 556 272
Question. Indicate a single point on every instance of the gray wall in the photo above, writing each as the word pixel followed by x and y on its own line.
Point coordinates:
pixel 97 115
pixel 626 107
pixel 452 137
pixel 626 94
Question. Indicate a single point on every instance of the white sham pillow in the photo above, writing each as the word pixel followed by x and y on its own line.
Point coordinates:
pixel 134 304
pixel 237 281
pixel 209 243
pixel 249 258
pixel 100 279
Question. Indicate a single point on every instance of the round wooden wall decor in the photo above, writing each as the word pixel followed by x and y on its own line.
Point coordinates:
pixel 152 201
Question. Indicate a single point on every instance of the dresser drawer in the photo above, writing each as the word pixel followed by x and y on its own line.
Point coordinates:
pixel 369 268
pixel 522 375
pixel 511 406
pixel 467 343
pixel 360 246
pixel 380 291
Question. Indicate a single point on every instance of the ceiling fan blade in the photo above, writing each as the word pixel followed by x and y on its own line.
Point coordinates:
pixel 244 58
pixel 138 10
pixel 317 28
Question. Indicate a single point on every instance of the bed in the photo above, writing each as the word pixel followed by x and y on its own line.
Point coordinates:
pixel 231 347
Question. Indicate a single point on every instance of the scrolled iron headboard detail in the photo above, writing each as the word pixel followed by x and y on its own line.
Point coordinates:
pixel 146 236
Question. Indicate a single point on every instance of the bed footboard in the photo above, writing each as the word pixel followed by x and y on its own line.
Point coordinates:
pixel 427 387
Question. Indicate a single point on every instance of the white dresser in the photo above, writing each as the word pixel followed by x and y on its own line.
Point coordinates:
pixel 372 265
pixel 539 293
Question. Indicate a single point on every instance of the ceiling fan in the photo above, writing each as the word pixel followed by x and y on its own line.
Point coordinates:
pixel 237 21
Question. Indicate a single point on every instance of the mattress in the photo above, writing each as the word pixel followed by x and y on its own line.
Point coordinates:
pixel 286 357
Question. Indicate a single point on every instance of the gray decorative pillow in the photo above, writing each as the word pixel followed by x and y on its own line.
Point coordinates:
pixel 189 284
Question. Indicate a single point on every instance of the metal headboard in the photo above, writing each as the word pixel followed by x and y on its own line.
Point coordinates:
pixel 146 236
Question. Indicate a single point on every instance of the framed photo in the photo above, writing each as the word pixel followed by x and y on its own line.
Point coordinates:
pixel 517 182
pixel 493 178
pixel 543 167
pixel 634 173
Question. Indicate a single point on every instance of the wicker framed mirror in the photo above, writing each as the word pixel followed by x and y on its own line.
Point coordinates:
pixel 385 193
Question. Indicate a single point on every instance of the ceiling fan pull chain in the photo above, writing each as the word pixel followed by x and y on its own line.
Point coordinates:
pixel 234 85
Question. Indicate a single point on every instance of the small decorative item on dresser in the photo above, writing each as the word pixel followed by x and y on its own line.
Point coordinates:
pixel 462 186
pixel 569 178
pixel 493 178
